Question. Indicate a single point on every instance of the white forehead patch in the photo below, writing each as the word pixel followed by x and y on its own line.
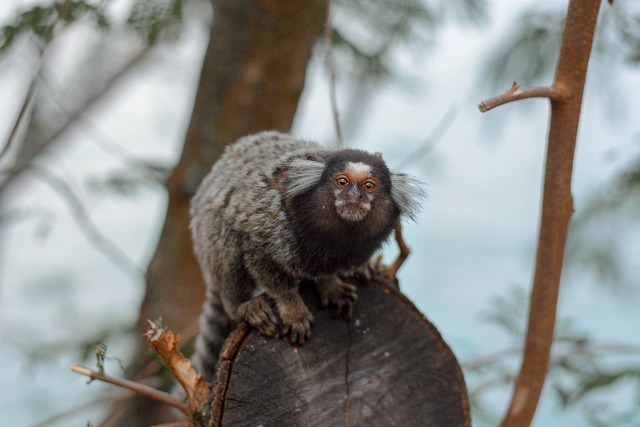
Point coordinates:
pixel 358 168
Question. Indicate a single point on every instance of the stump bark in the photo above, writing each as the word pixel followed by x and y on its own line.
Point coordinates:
pixel 386 366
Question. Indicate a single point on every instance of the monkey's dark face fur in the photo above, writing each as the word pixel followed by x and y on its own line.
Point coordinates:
pixel 341 220
pixel 358 179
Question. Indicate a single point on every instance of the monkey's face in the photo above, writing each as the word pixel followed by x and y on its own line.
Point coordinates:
pixel 347 189
pixel 354 189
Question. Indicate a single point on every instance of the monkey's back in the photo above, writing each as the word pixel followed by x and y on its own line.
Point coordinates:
pixel 237 210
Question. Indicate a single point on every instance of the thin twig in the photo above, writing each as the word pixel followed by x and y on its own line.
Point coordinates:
pixel 151 369
pixel 478 390
pixel 23 110
pixel 574 348
pixel 176 424
pixel 40 146
pixel 574 345
pixel 63 12
pixel 490 359
pixel 98 136
pixel 402 256
pixel 328 38
pixel 435 136
pixel 60 416
pixel 516 93
pixel 141 389
pixel 90 230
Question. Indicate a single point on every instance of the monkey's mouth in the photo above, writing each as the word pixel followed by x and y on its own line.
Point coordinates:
pixel 352 211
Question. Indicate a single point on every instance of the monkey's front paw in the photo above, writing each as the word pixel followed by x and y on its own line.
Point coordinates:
pixel 296 324
pixel 340 295
pixel 260 313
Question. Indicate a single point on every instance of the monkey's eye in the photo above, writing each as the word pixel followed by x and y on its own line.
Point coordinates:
pixel 369 186
pixel 342 181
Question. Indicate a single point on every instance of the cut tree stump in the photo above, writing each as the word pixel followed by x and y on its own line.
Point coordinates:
pixel 387 366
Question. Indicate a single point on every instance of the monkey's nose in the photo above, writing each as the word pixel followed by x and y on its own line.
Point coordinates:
pixel 354 194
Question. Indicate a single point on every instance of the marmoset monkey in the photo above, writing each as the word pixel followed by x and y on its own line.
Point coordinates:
pixel 276 210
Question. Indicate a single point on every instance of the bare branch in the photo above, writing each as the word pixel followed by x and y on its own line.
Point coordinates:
pixel 141 167
pixel 60 416
pixel 490 359
pixel 328 38
pixel 90 230
pixel 23 111
pixel 64 11
pixel 436 134
pixel 402 256
pixel 142 389
pixel 515 93
pixel 73 116
pixel 165 343
pixel 573 347
pixel 151 369
pixel 176 424
pixel 557 205
pixel 481 389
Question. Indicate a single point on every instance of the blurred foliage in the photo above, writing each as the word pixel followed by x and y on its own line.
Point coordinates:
pixel 364 31
pixel 529 54
pixel 85 349
pixel 626 23
pixel 364 36
pixel 58 104
pixel 129 182
pixel 99 349
pixel 470 11
pixel 587 373
pixel 508 312
pixel 597 231
pixel 40 20
pixel 584 371
pixel 529 51
pixel 153 19
pixel 149 20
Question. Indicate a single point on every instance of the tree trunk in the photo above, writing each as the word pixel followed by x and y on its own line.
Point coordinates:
pixel 387 366
pixel 252 77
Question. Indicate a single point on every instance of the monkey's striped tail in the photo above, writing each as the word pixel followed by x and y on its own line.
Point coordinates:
pixel 215 326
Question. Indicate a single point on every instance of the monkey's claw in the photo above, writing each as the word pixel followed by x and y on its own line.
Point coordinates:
pixel 299 330
pixel 338 295
pixel 260 313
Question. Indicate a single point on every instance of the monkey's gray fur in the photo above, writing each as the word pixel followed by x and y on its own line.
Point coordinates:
pixel 276 210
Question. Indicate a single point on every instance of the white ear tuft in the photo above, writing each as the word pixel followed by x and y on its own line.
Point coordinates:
pixel 303 174
pixel 407 193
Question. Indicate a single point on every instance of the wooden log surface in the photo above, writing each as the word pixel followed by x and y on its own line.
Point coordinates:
pixel 387 366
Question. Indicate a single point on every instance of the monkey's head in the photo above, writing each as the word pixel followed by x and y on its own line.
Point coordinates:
pixel 353 186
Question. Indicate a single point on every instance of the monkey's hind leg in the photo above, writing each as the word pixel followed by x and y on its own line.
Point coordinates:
pixel 336 294
pixel 295 315
pixel 295 319
pixel 237 292
pixel 260 312
pixel 280 312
